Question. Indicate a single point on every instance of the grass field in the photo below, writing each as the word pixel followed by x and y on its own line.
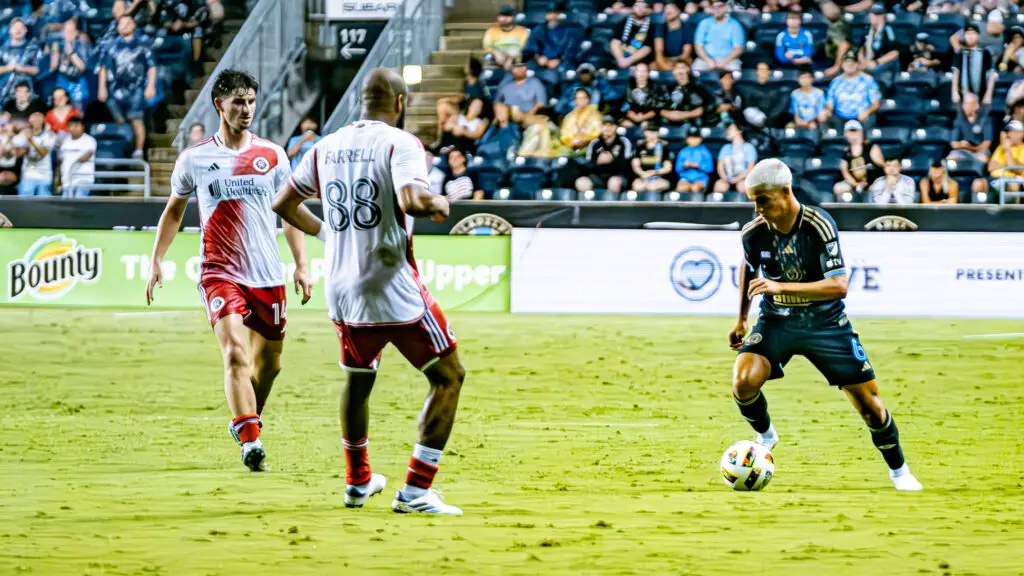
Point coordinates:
pixel 584 445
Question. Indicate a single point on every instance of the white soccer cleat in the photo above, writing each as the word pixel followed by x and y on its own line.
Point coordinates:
pixel 356 496
pixel 904 481
pixel 254 456
pixel 768 439
pixel 429 503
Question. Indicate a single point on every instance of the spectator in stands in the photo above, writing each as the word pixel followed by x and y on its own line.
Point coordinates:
pixel 68 62
pixel 19 59
pixel 880 52
pixel 735 160
pixel 552 45
pixel 17 110
pixel 644 99
pixel 671 42
pixel 794 46
pixel 972 129
pixel 973 67
pixel 694 164
pixel 1009 154
pixel 719 40
pixel 852 96
pixel 524 95
pixel 502 137
pixel 37 171
pixel 587 79
pixel 178 18
pixel 608 159
pixel 894 187
pixel 850 6
pixel 11 159
pixel 807 102
pixel 77 162
pixel 938 187
pixel 765 102
pixel 839 40
pixel 211 23
pixel 196 133
pixel 581 126
pixel 923 55
pixel 1013 54
pixel 633 41
pixel 687 102
pixel 505 40
pixel 729 101
pixel 127 79
pixel 860 165
pixel 651 161
pixel 143 12
pixel 299 144
pixel 459 182
pixel 62 112
pixel 990 35
pixel 462 120
pixel 35 20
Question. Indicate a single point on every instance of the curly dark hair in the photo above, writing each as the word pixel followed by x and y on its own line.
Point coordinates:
pixel 229 81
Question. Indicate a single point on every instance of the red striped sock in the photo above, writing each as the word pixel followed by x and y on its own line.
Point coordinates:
pixel 247 426
pixel 420 474
pixel 357 461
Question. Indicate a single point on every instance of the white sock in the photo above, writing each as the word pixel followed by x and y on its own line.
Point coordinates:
pixel 770 433
pixel 899 472
pixel 431 456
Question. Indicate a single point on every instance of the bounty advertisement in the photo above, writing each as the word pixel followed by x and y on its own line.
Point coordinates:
pixel 110 268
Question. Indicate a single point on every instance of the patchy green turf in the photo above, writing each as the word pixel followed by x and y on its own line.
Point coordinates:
pixel 583 445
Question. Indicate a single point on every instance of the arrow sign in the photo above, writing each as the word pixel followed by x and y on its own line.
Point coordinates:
pixel 348 52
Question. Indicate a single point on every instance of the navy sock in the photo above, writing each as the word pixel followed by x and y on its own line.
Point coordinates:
pixel 887 440
pixel 755 411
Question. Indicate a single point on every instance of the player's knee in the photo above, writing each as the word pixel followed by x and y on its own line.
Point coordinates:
pixel 747 379
pixel 615 184
pixel 979 185
pixel 236 357
pixel 583 184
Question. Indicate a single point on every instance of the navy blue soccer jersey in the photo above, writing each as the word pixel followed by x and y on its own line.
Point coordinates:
pixel 809 253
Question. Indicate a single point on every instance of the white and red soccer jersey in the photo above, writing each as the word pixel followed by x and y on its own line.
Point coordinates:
pixel 356 172
pixel 235 189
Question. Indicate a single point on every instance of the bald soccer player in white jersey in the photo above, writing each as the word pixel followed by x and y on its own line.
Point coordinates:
pixel 372 179
pixel 234 175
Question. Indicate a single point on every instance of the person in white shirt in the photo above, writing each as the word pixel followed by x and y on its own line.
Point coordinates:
pixel 77 162
pixel 37 171
pixel 894 187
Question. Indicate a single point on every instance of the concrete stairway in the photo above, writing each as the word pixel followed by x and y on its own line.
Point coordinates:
pixel 161 152
pixel 444 76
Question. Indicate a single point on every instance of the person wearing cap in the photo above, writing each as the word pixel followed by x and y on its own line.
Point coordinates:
pixel 694 164
pixel 893 187
pixel 673 40
pixel 973 67
pixel 633 40
pixel 1013 55
pixel 792 258
pixel 938 187
pixel 652 162
pixel 735 160
pixel 807 102
pixel 644 99
pixel 838 40
pixel 553 44
pixel 581 126
pixel 587 79
pixel 923 55
pixel 19 59
pixel 1009 154
pixel 608 159
pixel 990 25
pixel 687 102
pixel 794 46
pixel 462 120
pixel 972 129
pixel 719 41
pixel 880 51
pixel 524 95
pixel 504 41
pixel 860 164
pixel 853 95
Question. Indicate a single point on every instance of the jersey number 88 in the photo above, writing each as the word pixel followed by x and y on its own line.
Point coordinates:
pixel 358 208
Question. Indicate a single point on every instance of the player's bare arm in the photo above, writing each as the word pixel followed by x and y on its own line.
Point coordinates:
pixel 288 205
pixel 827 289
pixel 170 222
pixel 739 331
pixel 419 202
pixel 297 243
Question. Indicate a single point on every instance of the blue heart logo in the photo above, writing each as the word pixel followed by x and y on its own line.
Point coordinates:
pixel 696 274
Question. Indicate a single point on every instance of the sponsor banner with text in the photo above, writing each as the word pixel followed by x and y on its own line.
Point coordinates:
pixel 691 272
pixel 108 268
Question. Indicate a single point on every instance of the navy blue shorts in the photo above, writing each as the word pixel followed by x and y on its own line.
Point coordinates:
pixel 834 349
pixel 127 104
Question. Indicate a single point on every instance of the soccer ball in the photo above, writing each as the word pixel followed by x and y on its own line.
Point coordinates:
pixel 747 466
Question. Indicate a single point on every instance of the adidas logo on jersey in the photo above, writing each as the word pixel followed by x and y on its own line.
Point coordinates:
pixel 213 167
pixel 867 366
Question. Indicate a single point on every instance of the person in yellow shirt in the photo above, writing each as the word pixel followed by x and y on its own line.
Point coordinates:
pixel 583 125
pixel 504 41
pixel 1009 154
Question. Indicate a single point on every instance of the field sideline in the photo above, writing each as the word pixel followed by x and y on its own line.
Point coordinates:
pixel 583 445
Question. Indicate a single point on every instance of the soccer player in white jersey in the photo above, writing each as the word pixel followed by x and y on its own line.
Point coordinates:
pixel 372 178
pixel 234 175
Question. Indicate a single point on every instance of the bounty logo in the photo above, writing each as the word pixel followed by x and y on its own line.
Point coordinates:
pixel 696 274
pixel 51 268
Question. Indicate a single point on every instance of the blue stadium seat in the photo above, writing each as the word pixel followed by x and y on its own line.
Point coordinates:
pixel 488 172
pixel 823 173
pixel 915 84
pixel 112 132
pixel 797 142
pixel 598 196
pixel 942 25
pixel 664 80
pixel 735 197
pixel 714 139
pixel 526 176
pixel 916 167
pixel 832 143
pixel 556 194
pixel 905 25
pixel 940 113
pixel 858 25
pixel 649 197
pixel 675 136
pixel 965 165
pixel 530 19
pixel 795 163
pixel 892 140
pixel 112 148
pixel 931 141
pixel 905 112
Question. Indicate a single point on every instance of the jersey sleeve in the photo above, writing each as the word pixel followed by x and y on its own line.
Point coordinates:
pixel 305 178
pixel 751 257
pixel 829 253
pixel 182 180
pixel 409 164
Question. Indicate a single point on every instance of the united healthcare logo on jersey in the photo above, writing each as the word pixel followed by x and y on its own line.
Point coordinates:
pixel 51 268
pixel 696 274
